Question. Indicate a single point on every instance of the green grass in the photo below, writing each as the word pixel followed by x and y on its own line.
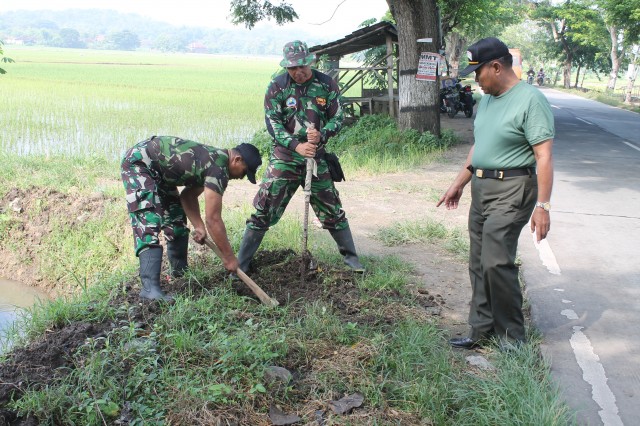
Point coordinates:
pixel 604 97
pixel 208 354
pixel 84 103
pixel 455 240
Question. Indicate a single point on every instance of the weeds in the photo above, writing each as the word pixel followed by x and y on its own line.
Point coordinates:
pixel 455 240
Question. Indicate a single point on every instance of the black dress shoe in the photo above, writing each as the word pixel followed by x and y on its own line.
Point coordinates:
pixel 464 343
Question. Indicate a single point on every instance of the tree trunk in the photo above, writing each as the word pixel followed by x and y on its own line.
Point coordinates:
pixel 633 73
pixel 615 58
pixel 418 107
pixel 453 51
pixel 567 66
pixel 578 75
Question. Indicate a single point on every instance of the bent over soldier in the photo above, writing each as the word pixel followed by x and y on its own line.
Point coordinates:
pixel 152 171
pixel 302 112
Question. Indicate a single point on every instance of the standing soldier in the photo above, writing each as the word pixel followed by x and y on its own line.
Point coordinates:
pixel 303 112
pixel 510 167
pixel 151 172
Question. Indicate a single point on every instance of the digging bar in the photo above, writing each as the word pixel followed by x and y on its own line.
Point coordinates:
pixel 310 166
pixel 255 288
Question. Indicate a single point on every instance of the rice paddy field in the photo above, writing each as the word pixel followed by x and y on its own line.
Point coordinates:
pixel 85 103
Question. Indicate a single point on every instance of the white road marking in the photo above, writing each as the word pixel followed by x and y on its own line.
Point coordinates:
pixel 546 255
pixel 569 313
pixel 584 121
pixel 558 289
pixel 631 145
pixel 555 106
pixel 566 301
pixel 594 374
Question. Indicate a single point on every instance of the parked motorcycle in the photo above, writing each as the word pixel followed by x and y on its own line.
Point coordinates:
pixel 457 98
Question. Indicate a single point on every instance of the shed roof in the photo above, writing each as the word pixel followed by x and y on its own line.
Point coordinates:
pixel 365 38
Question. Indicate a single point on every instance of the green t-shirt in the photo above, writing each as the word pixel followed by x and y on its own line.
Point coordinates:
pixel 507 126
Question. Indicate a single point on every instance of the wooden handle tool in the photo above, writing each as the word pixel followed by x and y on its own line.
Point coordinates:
pixel 255 288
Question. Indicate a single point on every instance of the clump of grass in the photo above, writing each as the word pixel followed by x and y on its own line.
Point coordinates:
pixel 410 232
pixel 374 144
pixel 519 388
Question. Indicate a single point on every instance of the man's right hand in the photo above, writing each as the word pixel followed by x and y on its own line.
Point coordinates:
pixel 451 198
pixel 307 149
pixel 198 235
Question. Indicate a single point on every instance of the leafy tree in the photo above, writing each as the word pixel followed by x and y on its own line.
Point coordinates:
pixel 573 25
pixel 125 40
pixel 169 43
pixel 69 37
pixel 465 21
pixel 250 12
pixel 416 19
pixel 3 58
pixel 621 18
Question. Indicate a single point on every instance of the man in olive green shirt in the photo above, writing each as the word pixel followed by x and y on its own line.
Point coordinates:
pixel 510 167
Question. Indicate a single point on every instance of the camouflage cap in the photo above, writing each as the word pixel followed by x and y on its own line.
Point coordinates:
pixel 296 54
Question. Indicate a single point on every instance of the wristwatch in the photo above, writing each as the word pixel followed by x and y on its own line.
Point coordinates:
pixel 545 206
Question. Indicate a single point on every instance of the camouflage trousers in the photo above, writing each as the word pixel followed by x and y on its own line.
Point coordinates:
pixel 280 183
pixel 153 205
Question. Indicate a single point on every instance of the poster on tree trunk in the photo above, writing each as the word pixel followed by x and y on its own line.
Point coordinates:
pixel 428 66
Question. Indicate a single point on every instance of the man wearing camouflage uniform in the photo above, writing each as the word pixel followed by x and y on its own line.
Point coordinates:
pixel 303 112
pixel 151 172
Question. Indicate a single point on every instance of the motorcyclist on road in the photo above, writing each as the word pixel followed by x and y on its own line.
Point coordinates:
pixel 530 75
pixel 541 74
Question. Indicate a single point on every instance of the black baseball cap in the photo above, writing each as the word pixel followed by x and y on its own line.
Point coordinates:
pixel 483 51
pixel 251 157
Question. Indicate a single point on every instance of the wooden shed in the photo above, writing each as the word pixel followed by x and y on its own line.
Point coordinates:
pixel 371 100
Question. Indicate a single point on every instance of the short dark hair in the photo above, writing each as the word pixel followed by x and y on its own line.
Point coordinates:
pixel 506 60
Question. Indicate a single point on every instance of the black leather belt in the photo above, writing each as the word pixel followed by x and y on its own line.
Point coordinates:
pixel 501 174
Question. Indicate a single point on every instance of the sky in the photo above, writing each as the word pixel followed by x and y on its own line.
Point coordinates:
pixel 313 14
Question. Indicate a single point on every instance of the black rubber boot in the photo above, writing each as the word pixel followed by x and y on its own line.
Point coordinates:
pixel 250 242
pixel 347 248
pixel 150 266
pixel 177 253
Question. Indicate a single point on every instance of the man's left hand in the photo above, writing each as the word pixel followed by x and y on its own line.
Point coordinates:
pixel 540 223
pixel 313 136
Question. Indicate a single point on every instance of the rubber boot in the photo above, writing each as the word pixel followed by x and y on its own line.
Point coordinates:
pixel 150 266
pixel 177 253
pixel 347 248
pixel 250 242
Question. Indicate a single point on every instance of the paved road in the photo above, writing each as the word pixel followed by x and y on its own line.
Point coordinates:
pixel 584 281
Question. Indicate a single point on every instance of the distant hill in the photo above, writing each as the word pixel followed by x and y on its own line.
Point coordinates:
pixel 108 29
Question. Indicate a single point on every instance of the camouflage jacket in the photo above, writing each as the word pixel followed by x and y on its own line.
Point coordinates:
pixel 181 162
pixel 291 107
